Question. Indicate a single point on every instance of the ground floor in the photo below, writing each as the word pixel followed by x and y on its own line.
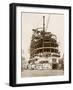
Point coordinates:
pixel 44 66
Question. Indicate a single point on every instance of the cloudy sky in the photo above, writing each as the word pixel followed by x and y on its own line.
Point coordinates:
pixel 34 20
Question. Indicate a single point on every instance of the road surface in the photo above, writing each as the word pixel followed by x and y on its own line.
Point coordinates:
pixel 36 73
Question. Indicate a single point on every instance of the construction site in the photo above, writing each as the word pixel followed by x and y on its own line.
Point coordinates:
pixel 45 58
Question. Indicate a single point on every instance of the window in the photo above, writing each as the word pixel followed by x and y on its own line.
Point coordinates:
pixel 54 60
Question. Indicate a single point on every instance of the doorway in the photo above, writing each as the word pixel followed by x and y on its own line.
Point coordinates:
pixel 54 66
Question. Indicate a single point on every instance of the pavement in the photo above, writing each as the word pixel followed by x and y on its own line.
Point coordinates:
pixel 37 73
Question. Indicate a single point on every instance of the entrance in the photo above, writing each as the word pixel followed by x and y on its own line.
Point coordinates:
pixel 54 66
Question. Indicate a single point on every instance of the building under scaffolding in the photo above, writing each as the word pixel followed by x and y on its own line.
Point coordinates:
pixel 44 53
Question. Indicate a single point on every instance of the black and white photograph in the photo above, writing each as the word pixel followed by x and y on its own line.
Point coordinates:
pixel 42 44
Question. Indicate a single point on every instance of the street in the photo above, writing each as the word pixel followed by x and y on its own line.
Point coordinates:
pixel 37 73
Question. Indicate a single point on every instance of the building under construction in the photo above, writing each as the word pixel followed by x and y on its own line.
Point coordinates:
pixel 44 53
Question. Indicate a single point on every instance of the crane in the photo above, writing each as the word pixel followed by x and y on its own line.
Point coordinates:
pixel 47 22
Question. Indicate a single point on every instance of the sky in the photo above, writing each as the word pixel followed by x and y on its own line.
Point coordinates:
pixel 34 20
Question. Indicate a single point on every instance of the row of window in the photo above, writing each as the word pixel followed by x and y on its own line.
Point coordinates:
pixel 45 45
pixel 45 50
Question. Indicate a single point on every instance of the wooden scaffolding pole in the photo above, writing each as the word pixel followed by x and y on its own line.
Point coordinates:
pixel 43 31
